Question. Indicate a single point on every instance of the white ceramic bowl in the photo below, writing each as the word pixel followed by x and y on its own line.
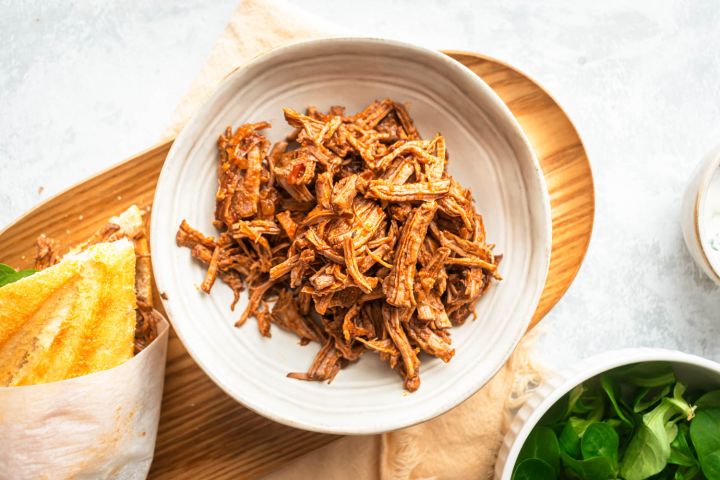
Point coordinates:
pixel 489 153
pixel 696 213
pixel 692 370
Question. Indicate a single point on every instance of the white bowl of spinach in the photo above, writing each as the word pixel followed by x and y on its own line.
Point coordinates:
pixel 631 414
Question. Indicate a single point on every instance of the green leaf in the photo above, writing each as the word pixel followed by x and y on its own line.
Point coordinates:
pixel 646 454
pixel 679 473
pixel 5 269
pixel 612 391
pixel 646 374
pixel 542 443
pixel 615 423
pixel 649 449
pixel 685 409
pixel 705 436
pixel 597 468
pixel 579 425
pixel 569 439
pixel 709 400
pixel 557 412
pixel 574 397
pixel 9 275
pixel 590 402
pixel 601 432
pixel 686 473
pixel 680 451
pixel 533 469
pixel 710 465
pixel 649 397
pixel 601 440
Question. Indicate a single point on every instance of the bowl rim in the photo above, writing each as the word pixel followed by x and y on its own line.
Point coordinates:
pixel 590 368
pixel 525 149
pixel 709 169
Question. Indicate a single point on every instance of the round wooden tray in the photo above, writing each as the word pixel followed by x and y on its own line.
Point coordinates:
pixel 203 432
pixel 564 164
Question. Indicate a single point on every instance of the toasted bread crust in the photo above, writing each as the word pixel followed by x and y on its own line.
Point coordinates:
pixel 72 319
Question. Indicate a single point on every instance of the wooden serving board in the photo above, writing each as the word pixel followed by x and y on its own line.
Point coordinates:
pixel 203 432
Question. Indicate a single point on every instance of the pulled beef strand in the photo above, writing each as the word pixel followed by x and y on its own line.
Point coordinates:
pixel 355 230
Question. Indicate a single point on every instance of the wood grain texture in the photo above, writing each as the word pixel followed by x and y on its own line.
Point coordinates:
pixel 203 432
pixel 564 164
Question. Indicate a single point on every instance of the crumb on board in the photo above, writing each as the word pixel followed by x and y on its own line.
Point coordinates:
pixel 40 190
pixel 163 295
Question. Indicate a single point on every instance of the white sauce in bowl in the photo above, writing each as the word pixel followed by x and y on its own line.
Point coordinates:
pixel 711 220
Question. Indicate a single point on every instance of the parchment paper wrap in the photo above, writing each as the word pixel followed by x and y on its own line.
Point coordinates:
pixel 96 426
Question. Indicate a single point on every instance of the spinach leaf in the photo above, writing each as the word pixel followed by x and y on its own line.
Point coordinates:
pixel 646 454
pixel 649 397
pixel 633 423
pixel 588 408
pixel 590 403
pixel 557 412
pixel 615 423
pixel 705 436
pixel 569 439
pixel 647 374
pixel 710 465
pixel 649 449
pixel 612 391
pixel 601 440
pixel 710 399
pixel 679 473
pixel 5 269
pixel 684 408
pixel 687 473
pixel 597 468
pixel 574 396
pixel 581 425
pixel 681 452
pixel 9 275
pixel 542 443
pixel 534 469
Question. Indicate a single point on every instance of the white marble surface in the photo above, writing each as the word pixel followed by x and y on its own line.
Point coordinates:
pixel 84 85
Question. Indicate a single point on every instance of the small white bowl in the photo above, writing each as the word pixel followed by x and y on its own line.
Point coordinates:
pixel 489 154
pixel 692 370
pixel 696 212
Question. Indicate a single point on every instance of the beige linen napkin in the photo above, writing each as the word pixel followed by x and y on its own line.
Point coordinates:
pixel 462 443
